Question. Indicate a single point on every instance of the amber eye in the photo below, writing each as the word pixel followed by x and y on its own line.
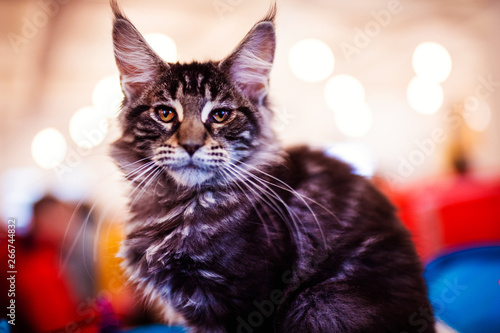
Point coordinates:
pixel 220 115
pixel 165 113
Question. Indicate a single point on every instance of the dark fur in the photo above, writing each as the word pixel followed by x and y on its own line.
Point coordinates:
pixel 256 238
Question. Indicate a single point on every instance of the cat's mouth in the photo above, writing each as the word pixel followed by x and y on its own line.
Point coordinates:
pixel 191 174
pixel 191 165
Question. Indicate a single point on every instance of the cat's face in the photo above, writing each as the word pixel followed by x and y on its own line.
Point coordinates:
pixel 195 121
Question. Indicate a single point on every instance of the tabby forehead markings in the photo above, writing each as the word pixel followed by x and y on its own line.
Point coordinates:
pixel 207 108
pixel 199 80
pixel 208 94
pixel 179 110
pixel 179 93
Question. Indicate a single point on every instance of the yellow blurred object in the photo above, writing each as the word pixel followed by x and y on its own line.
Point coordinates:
pixel 111 282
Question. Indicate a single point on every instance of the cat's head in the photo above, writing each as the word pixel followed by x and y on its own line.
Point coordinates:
pixel 195 121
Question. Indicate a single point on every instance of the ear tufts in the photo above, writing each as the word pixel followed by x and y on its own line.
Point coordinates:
pixel 271 13
pixel 137 62
pixel 117 12
pixel 249 65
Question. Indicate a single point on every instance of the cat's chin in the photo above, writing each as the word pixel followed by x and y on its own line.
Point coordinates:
pixel 191 176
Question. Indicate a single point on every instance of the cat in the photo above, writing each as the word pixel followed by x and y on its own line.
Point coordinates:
pixel 235 233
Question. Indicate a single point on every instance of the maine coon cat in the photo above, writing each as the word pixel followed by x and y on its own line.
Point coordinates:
pixel 232 231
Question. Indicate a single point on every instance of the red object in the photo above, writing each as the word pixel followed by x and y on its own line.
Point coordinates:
pixel 44 294
pixel 470 213
pixel 449 213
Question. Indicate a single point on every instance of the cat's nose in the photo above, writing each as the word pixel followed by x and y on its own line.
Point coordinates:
pixel 190 148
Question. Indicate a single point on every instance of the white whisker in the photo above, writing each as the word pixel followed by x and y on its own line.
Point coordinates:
pixel 288 188
pixel 266 230
pixel 274 198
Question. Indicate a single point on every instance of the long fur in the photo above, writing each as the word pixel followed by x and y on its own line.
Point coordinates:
pixel 235 233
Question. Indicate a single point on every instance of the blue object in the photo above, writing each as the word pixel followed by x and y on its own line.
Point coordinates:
pixel 464 289
pixel 157 328
pixel 4 326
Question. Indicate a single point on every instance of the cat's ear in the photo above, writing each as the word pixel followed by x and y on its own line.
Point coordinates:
pixel 249 65
pixel 137 62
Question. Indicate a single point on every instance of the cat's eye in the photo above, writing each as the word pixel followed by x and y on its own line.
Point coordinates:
pixel 220 115
pixel 165 113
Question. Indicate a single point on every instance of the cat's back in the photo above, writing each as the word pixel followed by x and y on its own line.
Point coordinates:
pixel 345 211
pixel 369 253
pixel 334 186
pixel 312 164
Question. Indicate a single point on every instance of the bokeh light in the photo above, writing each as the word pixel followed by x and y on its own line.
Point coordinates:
pixel 88 127
pixel 163 45
pixel 311 60
pixel 341 91
pixel 355 120
pixel 358 155
pixel 432 61
pixel 48 148
pixel 425 96
pixel 107 96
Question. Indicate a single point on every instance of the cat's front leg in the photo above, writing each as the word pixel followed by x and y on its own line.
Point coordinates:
pixel 203 310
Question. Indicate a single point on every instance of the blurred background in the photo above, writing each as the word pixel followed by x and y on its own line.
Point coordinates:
pixel 406 91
